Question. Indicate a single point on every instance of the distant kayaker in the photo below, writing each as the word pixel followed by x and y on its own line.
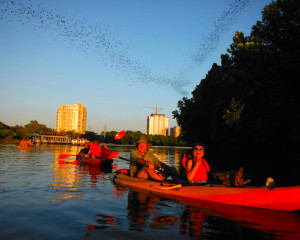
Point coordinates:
pixel 95 150
pixel 23 143
pixel 29 143
pixel 196 167
pixel 145 161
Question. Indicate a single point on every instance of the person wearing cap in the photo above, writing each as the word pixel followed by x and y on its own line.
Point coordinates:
pixel 144 162
pixel 196 168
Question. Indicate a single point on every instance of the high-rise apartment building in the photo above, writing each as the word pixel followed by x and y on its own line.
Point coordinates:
pixel 157 124
pixel 175 131
pixel 71 118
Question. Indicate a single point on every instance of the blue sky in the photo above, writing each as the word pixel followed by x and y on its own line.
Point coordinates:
pixel 116 57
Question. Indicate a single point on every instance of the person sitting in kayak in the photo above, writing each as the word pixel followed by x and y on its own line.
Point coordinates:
pixel 84 152
pixel 196 167
pixel 144 162
pixel 95 150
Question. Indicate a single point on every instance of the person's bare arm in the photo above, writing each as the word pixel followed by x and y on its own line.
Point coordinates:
pixel 191 171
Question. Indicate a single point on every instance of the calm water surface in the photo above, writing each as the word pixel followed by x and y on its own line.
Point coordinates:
pixel 42 199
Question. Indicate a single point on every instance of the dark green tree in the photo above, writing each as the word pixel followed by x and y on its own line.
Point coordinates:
pixel 250 103
pixel 35 127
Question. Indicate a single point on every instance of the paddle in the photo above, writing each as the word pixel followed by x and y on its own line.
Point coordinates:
pixel 169 171
pixel 63 156
pixel 120 134
pixel 109 154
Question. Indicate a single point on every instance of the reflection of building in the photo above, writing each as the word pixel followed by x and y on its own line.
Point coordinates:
pixel 71 118
pixel 175 131
pixel 157 124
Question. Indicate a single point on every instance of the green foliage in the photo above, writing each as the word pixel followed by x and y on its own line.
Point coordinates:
pixel 6 132
pixel 35 127
pixel 257 86
pixel 233 112
pixel 20 132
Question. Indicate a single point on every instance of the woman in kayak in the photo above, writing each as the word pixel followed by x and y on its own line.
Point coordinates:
pixel 196 168
pixel 144 162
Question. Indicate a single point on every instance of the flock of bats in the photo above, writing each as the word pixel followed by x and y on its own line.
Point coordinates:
pixel 98 39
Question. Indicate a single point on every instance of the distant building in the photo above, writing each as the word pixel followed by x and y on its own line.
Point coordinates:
pixel 157 124
pixel 71 118
pixel 175 131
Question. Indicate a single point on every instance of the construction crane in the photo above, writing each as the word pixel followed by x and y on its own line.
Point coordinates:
pixel 156 109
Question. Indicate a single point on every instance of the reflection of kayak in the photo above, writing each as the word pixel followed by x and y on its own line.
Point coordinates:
pixel 101 162
pixel 281 198
pixel 284 225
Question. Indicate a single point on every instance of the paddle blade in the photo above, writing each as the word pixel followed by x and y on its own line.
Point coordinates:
pixel 120 134
pixel 62 156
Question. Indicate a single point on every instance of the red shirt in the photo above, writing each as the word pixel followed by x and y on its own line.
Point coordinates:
pixel 96 150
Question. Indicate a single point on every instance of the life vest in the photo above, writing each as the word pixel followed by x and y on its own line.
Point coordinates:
pixel 201 174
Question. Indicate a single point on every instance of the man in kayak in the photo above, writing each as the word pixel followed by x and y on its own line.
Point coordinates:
pixel 144 162
pixel 95 150
pixel 196 168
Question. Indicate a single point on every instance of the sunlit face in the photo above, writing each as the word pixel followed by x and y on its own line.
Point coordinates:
pixel 143 147
pixel 198 151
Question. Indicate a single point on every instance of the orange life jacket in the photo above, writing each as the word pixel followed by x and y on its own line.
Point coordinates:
pixel 201 174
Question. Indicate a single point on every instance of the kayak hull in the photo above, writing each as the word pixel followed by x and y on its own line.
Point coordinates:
pixel 97 162
pixel 279 199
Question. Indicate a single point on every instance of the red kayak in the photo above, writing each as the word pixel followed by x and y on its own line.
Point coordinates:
pixel 279 199
pixel 96 161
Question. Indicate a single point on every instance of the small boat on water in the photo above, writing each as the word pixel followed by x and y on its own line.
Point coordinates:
pixel 278 199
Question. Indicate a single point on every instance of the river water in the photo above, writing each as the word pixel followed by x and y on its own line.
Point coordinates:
pixel 43 199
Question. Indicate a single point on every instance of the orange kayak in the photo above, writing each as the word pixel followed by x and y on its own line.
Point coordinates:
pixel 279 199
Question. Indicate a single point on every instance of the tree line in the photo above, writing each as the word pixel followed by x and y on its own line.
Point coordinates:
pixel 132 137
pixel 16 133
pixel 246 109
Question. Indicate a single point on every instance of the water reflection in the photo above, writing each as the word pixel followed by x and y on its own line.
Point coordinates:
pixel 141 207
pixel 204 220
pixel 192 220
pixel 35 178
pixel 66 181
pixel 170 155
